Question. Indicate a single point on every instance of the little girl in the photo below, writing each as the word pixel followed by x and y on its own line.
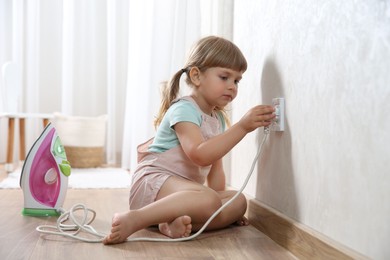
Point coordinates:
pixel 168 185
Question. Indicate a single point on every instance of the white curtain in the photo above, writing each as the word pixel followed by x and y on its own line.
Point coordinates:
pixel 73 60
pixel 95 57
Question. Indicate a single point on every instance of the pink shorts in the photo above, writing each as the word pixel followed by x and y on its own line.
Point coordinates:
pixel 144 190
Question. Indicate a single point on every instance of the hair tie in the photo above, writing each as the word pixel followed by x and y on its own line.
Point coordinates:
pixel 183 70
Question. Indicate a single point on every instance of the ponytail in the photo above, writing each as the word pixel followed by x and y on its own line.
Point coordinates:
pixel 169 94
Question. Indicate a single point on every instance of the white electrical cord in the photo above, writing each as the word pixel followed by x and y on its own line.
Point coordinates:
pixel 78 227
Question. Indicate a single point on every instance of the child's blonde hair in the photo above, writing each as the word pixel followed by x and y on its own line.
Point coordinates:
pixel 208 52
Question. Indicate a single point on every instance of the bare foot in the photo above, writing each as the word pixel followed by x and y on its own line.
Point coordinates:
pixel 180 227
pixel 122 228
pixel 242 221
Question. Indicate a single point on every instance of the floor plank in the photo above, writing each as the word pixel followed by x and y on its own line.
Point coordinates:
pixel 19 240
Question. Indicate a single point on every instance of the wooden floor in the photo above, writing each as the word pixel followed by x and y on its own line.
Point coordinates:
pixel 19 240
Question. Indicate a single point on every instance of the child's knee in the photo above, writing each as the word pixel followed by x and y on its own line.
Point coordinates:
pixel 242 203
pixel 211 203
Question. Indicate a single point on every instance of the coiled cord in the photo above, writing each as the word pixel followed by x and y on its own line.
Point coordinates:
pixel 80 230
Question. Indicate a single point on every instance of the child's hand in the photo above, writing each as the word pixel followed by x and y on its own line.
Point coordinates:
pixel 257 116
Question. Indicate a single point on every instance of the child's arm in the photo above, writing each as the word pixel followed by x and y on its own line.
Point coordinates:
pixel 216 177
pixel 206 152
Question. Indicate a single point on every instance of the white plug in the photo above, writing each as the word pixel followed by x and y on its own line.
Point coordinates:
pixel 278 122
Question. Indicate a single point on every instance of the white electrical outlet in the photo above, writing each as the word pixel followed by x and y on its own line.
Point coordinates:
pixel 279 105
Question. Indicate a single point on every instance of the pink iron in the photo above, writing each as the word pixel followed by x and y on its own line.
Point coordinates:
pixel 44 178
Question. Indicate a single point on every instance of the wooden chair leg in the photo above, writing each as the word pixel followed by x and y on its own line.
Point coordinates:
pixel 10 145
pixel 45 122
pixel 22 139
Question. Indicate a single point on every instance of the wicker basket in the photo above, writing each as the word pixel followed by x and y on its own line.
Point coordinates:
pixel 83 139
pixel 84 157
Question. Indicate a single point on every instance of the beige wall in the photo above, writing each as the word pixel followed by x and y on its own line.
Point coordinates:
pixel 330 169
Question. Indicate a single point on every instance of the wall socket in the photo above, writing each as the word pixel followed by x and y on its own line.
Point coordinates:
pixel 279 105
